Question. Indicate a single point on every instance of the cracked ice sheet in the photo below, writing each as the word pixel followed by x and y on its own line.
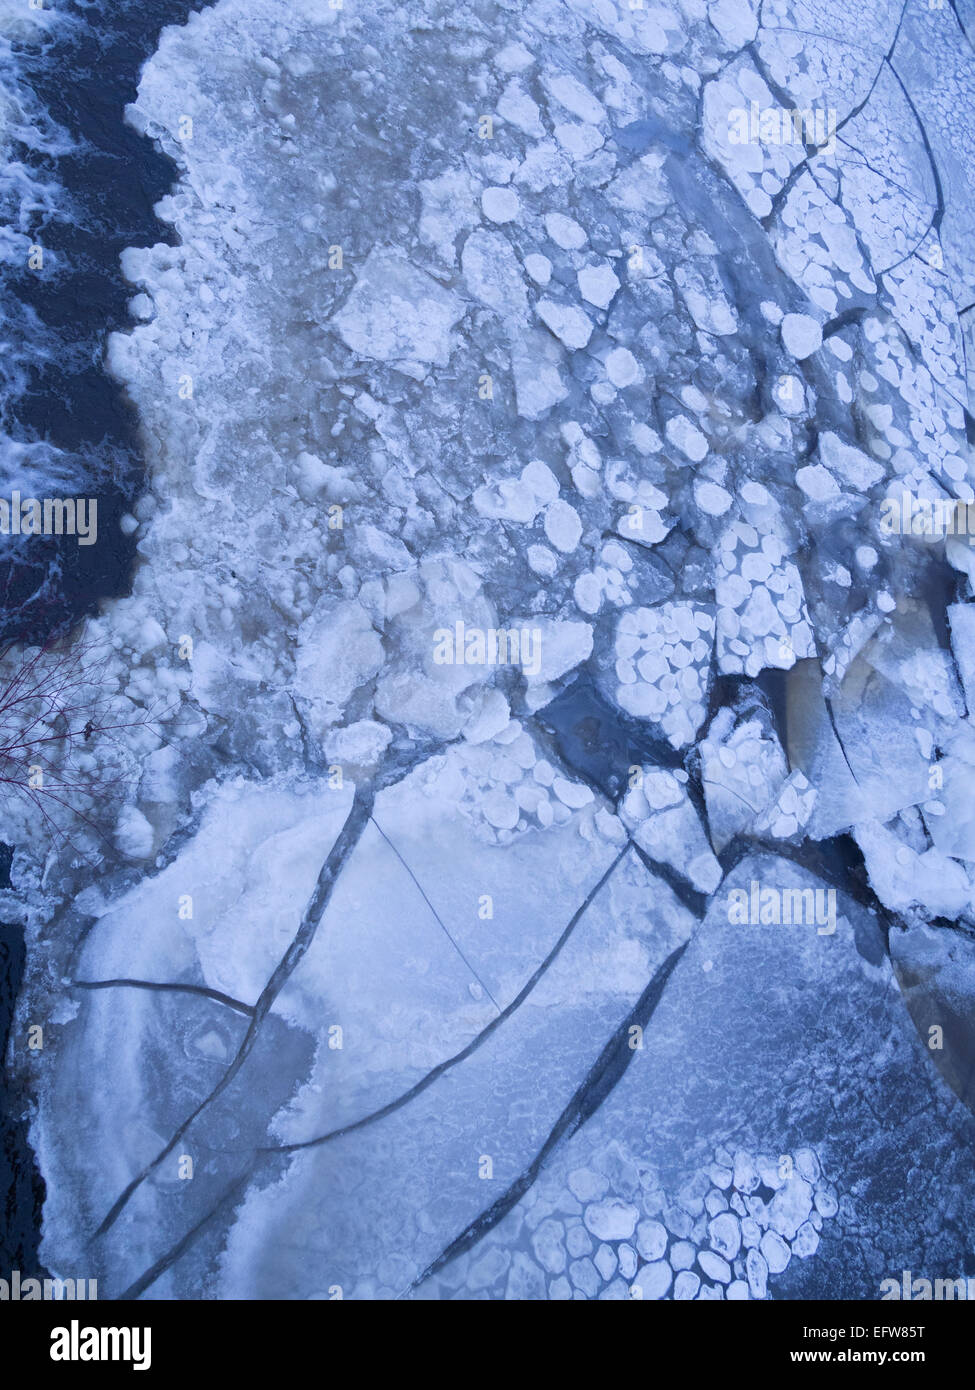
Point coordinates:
pixel 242 881
pixel 770 1043
pixel 184 1045
pixel 470 1135
pixel 410 988
pixel 236 894
pixel 379 1000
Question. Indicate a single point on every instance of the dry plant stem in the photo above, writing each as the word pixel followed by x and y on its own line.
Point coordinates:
pixel 54 701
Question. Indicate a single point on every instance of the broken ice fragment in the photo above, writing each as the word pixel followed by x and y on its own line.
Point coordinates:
pixel 398 313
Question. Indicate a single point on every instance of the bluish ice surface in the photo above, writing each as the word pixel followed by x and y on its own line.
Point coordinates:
pixel 629 953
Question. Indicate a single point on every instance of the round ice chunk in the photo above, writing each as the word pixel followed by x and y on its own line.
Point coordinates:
pixel 500 204
pixel 801 335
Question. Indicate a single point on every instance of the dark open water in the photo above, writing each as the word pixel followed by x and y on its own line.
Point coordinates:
pixel 84 77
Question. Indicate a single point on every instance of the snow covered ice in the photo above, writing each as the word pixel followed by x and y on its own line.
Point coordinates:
pixel 392 967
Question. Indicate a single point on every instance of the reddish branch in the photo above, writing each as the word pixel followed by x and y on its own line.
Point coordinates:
pixel 56 702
